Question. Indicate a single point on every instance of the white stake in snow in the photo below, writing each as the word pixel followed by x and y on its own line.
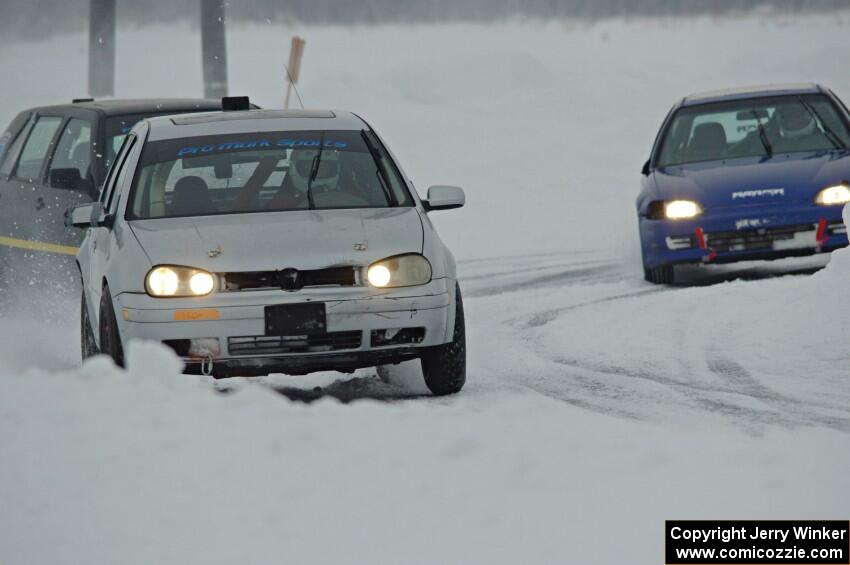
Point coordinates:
pixel 293 69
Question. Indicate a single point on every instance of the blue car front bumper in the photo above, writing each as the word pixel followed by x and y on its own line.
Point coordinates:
pixel 741 234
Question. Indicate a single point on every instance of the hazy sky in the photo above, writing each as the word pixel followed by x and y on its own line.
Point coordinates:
pixel 26 18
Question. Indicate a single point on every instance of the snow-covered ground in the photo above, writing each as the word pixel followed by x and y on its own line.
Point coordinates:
pixel 597 405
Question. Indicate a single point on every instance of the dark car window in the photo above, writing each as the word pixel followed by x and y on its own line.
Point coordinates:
pixel 8 137
pixel 12 150
pixel 36 147
pixel 117 127
pixel 73 151
pixel 753 128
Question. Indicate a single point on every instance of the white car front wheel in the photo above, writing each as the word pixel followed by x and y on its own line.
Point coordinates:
pixel 444 366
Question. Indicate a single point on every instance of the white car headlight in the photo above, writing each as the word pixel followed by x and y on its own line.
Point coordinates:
pixel 402 270
pixel 681 209
pixel 168 281
pixel 832 195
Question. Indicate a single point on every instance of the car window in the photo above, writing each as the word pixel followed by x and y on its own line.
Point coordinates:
pixel 752 128
pixel 110 184
pixel 12 132
pixel 264 172
pixel 122 172
pixel 35 149
pixel 12 151
pixel 73 150
pixel 117 128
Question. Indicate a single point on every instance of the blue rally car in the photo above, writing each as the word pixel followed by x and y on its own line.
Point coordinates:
pixel 756 173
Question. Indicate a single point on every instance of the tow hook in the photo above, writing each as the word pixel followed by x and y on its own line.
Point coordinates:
pixel 207 365
pixel 711 254
pixel 820 235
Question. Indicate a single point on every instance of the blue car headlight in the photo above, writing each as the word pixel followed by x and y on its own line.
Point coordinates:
pixel 681 209
pixel 674 210
pixel 833 195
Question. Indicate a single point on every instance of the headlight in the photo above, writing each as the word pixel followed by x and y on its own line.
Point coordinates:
pixel 681 209
pixel 838 194
pixel 178 281
pixel 403 270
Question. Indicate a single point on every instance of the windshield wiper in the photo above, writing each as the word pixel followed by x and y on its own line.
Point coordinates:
pixel 317 160
pixel 382 174
pixel 763 134
pixel 827 131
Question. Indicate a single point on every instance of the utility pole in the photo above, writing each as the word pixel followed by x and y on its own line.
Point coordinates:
pixel 213 48
pixel 101 48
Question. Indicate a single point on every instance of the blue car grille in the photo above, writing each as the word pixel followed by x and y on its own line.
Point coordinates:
pixel 752 240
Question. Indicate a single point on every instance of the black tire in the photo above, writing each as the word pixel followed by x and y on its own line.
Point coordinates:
pixel 663 274
pixel 444 366
pixel 88 345
pixel 110 339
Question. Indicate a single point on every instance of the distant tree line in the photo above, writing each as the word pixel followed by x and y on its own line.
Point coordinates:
pixel 37 18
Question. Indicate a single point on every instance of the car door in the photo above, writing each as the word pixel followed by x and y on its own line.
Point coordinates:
pixel 25 219
pixel 100 238
pixel 23 201
pixel 70 160
pixel 11 141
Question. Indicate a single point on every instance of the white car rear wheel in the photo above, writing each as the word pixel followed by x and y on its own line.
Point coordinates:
pixel 88 346
pixel 110 339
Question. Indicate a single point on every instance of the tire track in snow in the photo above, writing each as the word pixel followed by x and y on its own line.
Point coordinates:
pixel 544 317
pixel 746 384
pixel 606 388
pixel 489 277
pixel 694 393
pixel 569 276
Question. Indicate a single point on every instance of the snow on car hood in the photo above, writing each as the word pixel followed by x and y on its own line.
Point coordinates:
pixel 301 239
pixel 779 180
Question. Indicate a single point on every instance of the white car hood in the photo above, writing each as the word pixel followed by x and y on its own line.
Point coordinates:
pixel 301 239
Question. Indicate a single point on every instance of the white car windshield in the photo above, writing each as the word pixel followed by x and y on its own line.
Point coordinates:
pixel 265 172
pixel 753 128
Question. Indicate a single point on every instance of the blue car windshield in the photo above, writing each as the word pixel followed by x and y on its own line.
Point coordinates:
pixel 754 127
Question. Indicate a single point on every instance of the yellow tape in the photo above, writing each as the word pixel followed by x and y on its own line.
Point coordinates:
pixel 38 246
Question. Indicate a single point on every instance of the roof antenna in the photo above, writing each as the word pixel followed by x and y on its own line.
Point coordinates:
pixel 295 88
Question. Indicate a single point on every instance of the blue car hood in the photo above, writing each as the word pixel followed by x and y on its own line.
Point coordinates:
pixel 778 180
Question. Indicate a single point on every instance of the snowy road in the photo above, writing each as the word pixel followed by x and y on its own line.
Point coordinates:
pixel 600 339
pixel 585 411
pixel 579 328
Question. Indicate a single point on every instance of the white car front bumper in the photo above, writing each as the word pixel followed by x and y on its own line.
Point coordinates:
pixel 365 327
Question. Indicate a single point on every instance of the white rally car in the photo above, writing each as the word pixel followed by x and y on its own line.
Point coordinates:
pixel 258 241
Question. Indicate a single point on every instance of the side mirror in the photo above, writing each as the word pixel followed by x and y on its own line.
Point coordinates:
pixel 68 179
pixel 444 198
pixel 86 216
pixel 645 170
